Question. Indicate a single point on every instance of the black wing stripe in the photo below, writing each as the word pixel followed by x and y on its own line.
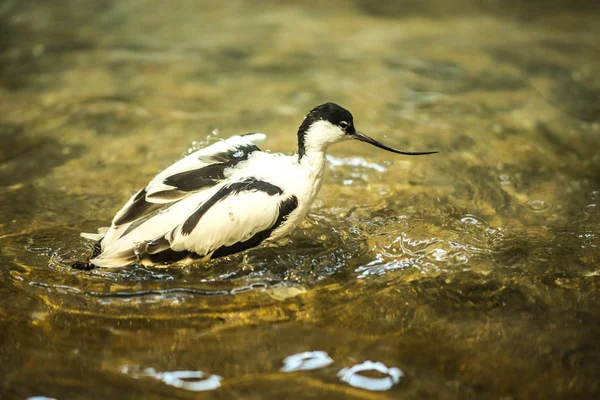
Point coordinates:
pixel 285 209
pixel 139 208
pixel 189 181
pixel 197 179
pixel 227 190
pixel 184 182
pixel 168 256
pixel 159 251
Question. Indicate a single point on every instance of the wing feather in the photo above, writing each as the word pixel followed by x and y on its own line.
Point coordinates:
pixel 136 208
pixel 153 227
pixel 239 216
pixel 196 172
pixel 231 218
pixel 206 166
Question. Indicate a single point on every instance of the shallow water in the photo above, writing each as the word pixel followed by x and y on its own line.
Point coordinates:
pixel 473 273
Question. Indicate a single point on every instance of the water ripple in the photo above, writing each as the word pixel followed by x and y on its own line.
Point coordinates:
pixel 336 162
pixel 305 361
pixel 193 381
pixel 353 377
pixel 538 206
pixel 40 398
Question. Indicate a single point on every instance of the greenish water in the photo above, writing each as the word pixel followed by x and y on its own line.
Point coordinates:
pixel 474 272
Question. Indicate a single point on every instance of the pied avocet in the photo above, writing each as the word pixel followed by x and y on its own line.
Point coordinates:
pixel 226 198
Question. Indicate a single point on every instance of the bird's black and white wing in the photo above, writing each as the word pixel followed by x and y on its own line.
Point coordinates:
pixel 183 182
pixel 238 216
pixel 218 222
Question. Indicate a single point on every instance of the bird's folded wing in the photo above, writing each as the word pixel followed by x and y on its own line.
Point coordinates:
pixel 202 169
pixel 196 172
pixel 239 216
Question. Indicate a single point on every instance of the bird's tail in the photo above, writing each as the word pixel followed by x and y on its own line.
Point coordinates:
pixel 115 260
pixel 97 238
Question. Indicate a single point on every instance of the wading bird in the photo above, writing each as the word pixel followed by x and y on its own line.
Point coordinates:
pixel 226 198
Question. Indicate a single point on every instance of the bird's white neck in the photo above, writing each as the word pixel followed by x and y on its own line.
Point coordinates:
pixel 314 162
pixel 313 165
pixel 314 141
pixel 312 145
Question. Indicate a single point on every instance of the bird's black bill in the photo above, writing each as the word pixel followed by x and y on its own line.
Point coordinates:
pixel 364 138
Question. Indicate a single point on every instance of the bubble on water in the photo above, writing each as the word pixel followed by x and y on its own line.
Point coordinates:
pixel 461 258
pixel 281 292
pixel 591 208
pixel 139 249
pixel 504 179
pixel 588 239
pixel 195 146
pixel 353 378
pixel 193 381
pixel 438 254
pixel 469 220
pixel 305 361
pixel 594 195
pixel 538 205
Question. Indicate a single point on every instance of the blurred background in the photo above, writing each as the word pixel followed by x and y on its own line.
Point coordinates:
pixel 473 273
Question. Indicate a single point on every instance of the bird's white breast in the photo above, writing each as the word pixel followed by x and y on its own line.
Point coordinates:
pixel 302 180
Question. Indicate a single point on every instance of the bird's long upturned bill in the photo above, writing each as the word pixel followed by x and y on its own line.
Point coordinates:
pixel 364 138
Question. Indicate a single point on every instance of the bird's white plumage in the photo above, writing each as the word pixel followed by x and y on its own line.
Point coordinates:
pixel 236 218
pixel 322 134
pixel 150 229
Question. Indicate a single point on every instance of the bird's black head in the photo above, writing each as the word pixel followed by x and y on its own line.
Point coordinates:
pixel 330 123
pixel 329 112
pixel 333 113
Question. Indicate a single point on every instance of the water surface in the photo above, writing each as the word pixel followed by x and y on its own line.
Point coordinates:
pixel 469 274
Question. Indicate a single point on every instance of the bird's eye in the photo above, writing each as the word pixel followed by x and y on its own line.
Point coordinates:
pixel 344 124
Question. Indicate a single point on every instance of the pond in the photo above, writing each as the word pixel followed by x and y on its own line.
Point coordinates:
pixel 472 273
